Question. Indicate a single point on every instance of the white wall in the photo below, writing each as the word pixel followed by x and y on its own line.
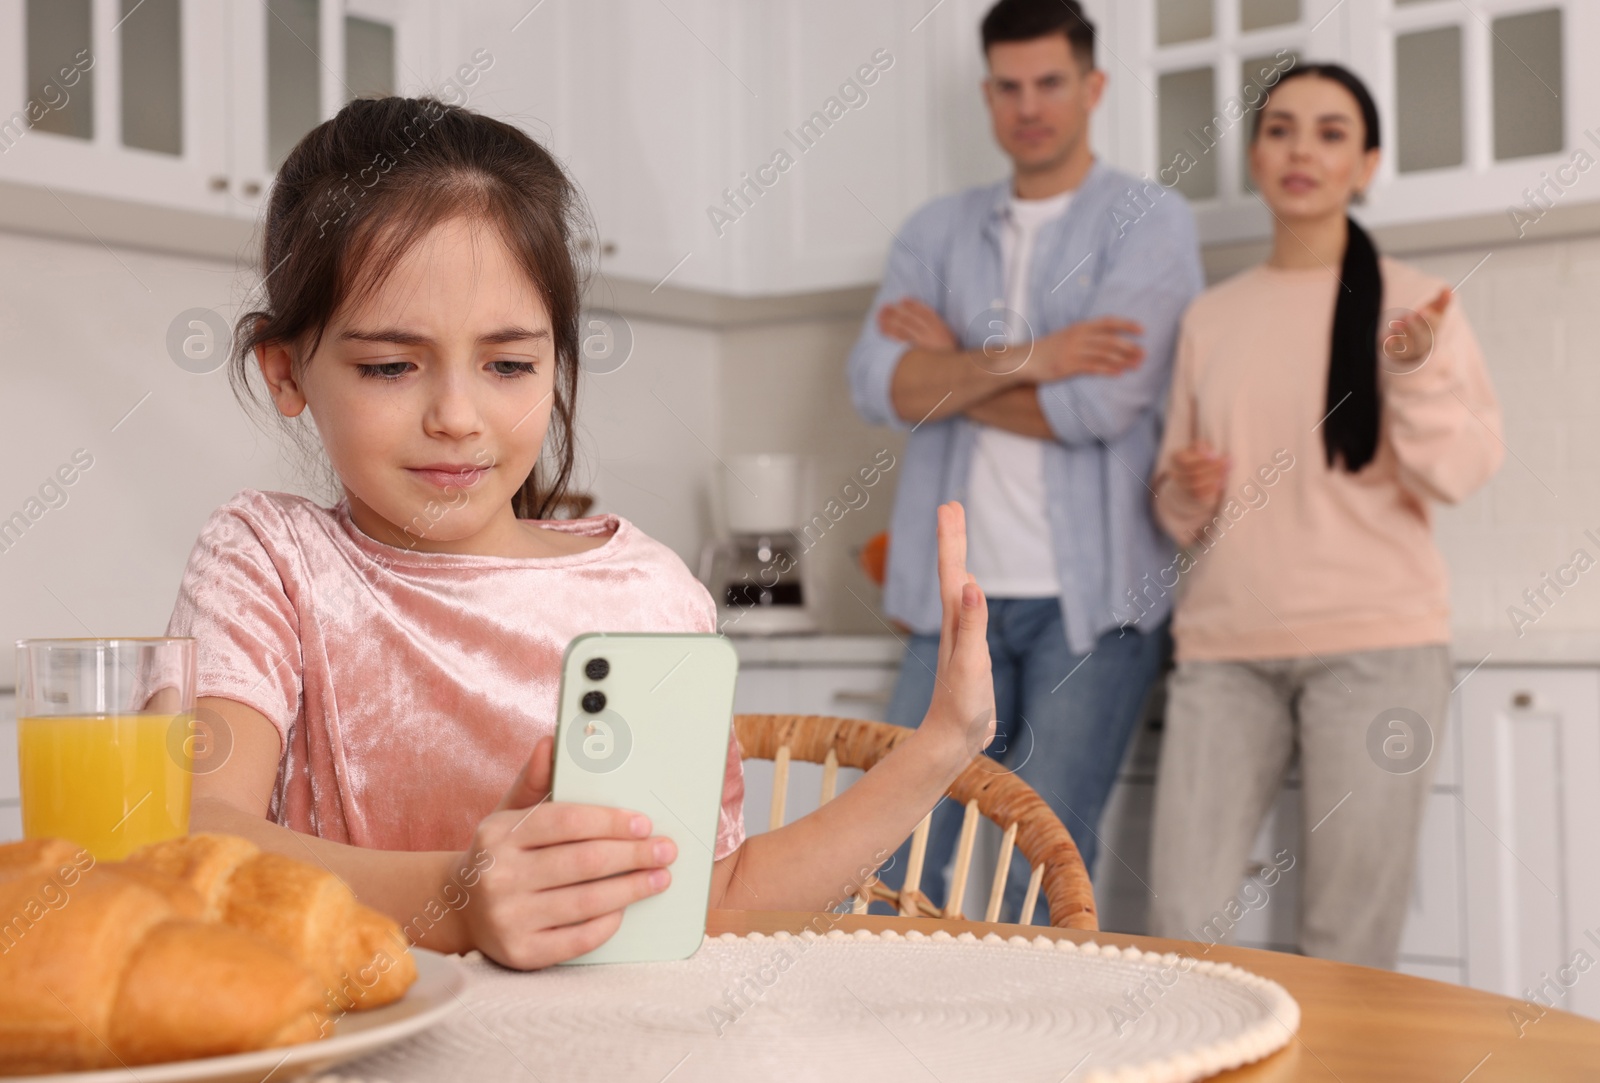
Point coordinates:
pixel 784 389
pixel 1534 310
pixel 84 341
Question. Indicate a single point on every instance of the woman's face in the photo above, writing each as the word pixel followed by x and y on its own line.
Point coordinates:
pixel 1307 160
pixel 433 395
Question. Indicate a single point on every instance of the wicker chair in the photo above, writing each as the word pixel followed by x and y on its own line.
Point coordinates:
pixel 984 788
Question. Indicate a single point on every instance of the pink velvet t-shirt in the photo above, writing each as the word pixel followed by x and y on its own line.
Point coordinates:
pixel 409 688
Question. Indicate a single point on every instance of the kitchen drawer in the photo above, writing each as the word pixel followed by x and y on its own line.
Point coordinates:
pixel 1528 808
pixel 1433 916
pixel 849 691
pixel 1447 775
pixel 1122 869
pixel 1271 913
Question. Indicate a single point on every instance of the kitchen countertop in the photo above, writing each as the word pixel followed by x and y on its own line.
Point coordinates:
pixel 1469 648
pixel 1534 648
pixel 818 650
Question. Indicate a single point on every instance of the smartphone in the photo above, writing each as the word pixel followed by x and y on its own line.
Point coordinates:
pixel 643 723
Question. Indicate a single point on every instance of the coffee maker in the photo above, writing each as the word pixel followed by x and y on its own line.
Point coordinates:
pixel 755 567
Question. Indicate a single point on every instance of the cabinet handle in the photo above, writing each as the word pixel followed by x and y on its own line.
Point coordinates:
pixel 845 695
pixel 609 248
pixel 251 188
pixel 1522 699
pixel 219 184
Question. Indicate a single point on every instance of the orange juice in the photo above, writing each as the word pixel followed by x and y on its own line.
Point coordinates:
pixel 110 783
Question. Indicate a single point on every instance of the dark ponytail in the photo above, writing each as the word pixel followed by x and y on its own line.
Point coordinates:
pixel 1351 430
pixel 1352 406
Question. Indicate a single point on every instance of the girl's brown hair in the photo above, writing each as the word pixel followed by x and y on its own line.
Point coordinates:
pixel 359 190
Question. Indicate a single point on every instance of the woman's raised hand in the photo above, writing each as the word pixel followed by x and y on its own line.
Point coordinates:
pixel 962 710
pixel 552 891
pixel 1408 341
pixel 1200 472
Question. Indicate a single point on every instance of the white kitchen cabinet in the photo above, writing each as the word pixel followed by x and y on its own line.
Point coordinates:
pixel 1531 809
pixel 693 129
pixel 1476 100
pixel 180 103
pixel 838 143
pixel 729 147
pixel 295 63
pixel 848 691
pixel 635 101
pixel 39 93
pixel 646 130
pixel 730 182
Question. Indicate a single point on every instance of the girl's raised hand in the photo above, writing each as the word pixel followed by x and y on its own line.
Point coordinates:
pixel 962 710
pixel 560 874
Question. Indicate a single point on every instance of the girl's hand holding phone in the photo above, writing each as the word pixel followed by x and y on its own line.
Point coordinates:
pixel 552 890
pixel 962 709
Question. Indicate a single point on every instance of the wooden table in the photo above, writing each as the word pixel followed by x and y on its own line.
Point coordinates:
pixel 1356 1023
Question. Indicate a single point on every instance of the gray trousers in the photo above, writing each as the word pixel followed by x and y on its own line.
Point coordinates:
pixel 1366 763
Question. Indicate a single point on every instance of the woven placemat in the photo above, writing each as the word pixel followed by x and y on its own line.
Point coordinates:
pixel 852 1005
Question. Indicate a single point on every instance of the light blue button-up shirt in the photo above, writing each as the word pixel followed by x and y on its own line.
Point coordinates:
pixel 1124 247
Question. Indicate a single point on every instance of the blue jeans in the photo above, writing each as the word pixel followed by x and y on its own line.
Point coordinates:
pixel 1063 725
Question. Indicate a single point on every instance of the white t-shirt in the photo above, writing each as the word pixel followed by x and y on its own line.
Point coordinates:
pixel 1008 533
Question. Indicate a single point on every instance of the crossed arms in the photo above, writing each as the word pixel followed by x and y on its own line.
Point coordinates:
pixel 1086 383
pixel 997 383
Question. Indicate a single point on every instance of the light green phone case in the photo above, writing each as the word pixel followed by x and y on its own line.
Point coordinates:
pixel 658 745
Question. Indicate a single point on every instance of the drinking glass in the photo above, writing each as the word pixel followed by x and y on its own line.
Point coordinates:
pixel 103 740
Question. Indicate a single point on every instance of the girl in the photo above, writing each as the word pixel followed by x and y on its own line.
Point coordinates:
pixel 385 670
pixel 1298 465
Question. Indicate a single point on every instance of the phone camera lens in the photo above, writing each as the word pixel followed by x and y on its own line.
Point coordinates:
pixel 594 702
pixel 596 668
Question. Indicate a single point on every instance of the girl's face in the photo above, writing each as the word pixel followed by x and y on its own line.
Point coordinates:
pixel 432 397
pixel 1307 160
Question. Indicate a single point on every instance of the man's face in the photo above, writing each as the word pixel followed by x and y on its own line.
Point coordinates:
pixel 1039 99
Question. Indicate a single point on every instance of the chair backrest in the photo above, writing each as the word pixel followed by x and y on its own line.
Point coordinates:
pixel 983 788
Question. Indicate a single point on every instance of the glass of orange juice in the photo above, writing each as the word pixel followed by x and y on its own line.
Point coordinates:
pixel 103 740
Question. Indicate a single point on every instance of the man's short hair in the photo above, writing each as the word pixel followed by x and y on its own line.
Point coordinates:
pixel 1024 20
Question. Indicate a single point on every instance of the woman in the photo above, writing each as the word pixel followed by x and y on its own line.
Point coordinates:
pixel 1320 402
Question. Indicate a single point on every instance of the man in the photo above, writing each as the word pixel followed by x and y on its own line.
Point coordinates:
pixel 1023 333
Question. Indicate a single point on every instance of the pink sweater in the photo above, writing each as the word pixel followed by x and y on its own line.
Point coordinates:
pixel 1297 559
pixel 409 688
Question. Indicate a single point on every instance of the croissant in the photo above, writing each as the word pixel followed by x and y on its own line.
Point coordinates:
pixel 359 954
pixel 101 967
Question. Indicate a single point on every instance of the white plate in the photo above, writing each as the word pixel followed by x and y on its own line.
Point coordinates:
pixel 434 995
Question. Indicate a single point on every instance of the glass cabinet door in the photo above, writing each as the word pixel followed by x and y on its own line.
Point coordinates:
pixel 297 62
pixel 120 98
pixel 192 104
